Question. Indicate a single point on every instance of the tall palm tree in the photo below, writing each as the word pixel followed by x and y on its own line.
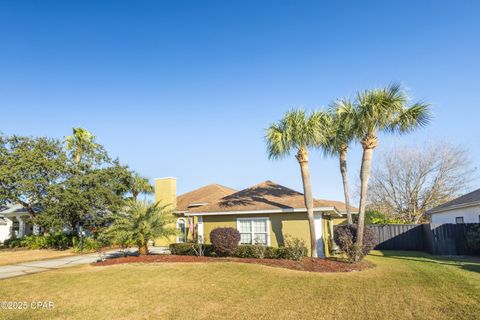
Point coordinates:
pixel 142 222
pixel 382 110
pixel 140 185
pixel 296 132
pixel 80 143
pixel 342 134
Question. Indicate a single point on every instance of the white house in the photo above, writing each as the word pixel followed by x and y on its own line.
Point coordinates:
pixel 465 209
pixel 13 222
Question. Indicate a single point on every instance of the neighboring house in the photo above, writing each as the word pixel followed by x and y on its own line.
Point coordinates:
pixel 14 222
pixel 264 213
pixel 465 209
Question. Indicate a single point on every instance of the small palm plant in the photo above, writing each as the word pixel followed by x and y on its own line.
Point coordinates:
pixel 342 135
pixel 382 110
pixel 142 222
pixel 296 132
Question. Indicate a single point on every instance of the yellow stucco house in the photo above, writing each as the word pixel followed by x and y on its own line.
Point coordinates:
pixel 265 213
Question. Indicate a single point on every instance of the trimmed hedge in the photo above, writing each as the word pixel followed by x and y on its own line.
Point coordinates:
pixel 190 249
pixel 242 251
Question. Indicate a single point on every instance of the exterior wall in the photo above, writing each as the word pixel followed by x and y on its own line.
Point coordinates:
pixel 166 191
pixel 165 242
pixel 281 224
pixel 470 215
pixel 5 230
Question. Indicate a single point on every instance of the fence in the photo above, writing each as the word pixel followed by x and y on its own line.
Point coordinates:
pixel 444 239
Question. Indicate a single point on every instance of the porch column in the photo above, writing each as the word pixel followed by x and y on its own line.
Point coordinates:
pixel 200 229
pixel 21 227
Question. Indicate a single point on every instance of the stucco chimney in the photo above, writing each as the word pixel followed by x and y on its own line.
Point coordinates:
pixel 166 191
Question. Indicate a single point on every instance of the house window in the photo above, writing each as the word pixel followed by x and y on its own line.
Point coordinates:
pixel 253 230
pixel 459 220
pixel 182 230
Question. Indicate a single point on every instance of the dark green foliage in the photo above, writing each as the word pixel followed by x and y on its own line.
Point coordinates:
pixel 224 241
pixel 254 251
pixel 190 249
pixel 345 237
pixel 377 217
pixel 13 243
pixel 473 238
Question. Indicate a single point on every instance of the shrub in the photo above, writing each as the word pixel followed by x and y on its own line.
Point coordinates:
pixel 13 243
pixel 87 244
pixel 60 241
pixel 345 237
pixel 294 249
pixel 224 241
pixel 256 251
pixel 35 242
pixel 190 249
pixel 473 238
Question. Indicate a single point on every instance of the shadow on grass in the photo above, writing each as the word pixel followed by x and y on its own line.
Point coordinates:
pixel 462 262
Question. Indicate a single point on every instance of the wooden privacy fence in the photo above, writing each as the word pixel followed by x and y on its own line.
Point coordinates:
pixel 444 239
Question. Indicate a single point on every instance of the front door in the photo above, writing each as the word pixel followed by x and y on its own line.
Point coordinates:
pixel 319 234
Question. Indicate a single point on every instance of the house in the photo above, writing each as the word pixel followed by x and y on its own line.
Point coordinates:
pixel 264 213
pixel 465 209
pixel 14 222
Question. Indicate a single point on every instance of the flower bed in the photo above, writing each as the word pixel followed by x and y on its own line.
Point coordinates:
pixel 306 264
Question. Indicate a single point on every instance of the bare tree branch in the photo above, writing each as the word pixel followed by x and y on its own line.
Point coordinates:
pixel 408 181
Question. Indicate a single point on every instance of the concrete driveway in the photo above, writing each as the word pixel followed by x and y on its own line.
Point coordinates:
pixel 25 268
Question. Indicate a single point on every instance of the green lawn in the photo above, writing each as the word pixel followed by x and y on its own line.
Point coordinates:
pixel 401 286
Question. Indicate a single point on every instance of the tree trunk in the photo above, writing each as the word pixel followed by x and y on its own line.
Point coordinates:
pixel 346 191
pixel 368 143
pixel 302 157
pixel 143 249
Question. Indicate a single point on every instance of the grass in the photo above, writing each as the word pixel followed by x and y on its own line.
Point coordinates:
pixel 401 286
pixel 23 255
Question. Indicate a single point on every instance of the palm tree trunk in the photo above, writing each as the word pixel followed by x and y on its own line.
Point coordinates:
pixel 346 191
pixel 368 143
pixel 143 249
pixel 302 157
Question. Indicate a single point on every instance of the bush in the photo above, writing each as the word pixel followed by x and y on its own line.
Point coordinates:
pixel 190 249
pixel 294 249
pixel 88 244
pixel 35 242
pixel 224 241
pixel 256 251
pixel 13 243
pixel 473 238
pixel 59 241
pixel 345 237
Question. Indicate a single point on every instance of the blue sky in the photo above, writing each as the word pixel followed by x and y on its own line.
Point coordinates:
pixel 186 88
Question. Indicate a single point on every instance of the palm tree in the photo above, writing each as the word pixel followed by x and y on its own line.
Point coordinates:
pixel 143 222
pixel 140 185
pixel 382 110
pixel 81 143
pixel 297 132
pixel 342 113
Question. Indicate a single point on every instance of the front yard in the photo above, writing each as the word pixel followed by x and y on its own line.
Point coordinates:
pixel 14 256
pixel 401 286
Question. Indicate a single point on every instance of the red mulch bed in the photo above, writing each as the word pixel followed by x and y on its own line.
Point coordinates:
pixel 306 264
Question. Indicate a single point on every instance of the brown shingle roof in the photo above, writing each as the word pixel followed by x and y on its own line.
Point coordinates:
pixel 264 196
pixel 207 194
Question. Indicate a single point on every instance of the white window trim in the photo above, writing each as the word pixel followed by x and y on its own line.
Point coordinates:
pixel 185 224
pixel 257 218
pixel 200 229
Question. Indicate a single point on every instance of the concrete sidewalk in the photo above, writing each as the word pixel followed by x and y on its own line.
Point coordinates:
pixel 25 268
